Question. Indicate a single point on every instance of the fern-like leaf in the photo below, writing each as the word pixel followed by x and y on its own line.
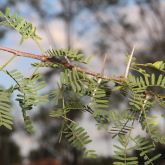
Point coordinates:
pixel 121 155
pixel 65 54
pixel 5 110
pixel 28 96
pixel 151 127
pixel 145 147
pixel 78 138
pixel 24 28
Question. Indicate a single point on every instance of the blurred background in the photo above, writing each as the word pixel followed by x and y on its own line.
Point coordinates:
pixel 96 27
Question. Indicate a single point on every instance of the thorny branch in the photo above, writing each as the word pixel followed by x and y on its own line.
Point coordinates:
pixel 45 58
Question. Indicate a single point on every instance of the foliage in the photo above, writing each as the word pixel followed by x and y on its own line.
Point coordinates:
pixel 24 28
pixel 5 109
pixel 142 88
pixel 27 96
pixel 78 137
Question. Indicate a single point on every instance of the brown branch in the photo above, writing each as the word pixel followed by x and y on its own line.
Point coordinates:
pixel 24 54
pixel 45 58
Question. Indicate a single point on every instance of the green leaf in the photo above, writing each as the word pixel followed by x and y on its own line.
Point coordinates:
pixel 152 159
pixel 78 138
pixel 158 64
pixel 88 59
pixel 5 110
pixel 24 28
pixel 116 88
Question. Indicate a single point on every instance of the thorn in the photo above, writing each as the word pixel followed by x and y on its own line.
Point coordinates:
pixel 129 63
pixel 104 62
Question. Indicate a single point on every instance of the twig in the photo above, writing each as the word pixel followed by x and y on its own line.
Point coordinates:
pixel 45 58
pixel 24 54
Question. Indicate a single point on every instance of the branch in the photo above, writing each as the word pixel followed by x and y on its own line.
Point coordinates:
pixel 45 58
pixel 24 54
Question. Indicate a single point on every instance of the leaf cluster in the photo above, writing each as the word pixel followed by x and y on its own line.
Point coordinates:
pixel 18 23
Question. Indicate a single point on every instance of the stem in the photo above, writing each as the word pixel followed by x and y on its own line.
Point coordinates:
pixel 67 65
pixel 127 140
pixel 10 60
pixel 42 51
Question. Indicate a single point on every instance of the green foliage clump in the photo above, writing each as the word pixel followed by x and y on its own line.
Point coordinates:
pixel 28 94
pixel 24 28
pixel 5 109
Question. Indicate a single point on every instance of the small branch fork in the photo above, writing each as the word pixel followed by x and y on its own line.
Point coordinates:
pixel 44 58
